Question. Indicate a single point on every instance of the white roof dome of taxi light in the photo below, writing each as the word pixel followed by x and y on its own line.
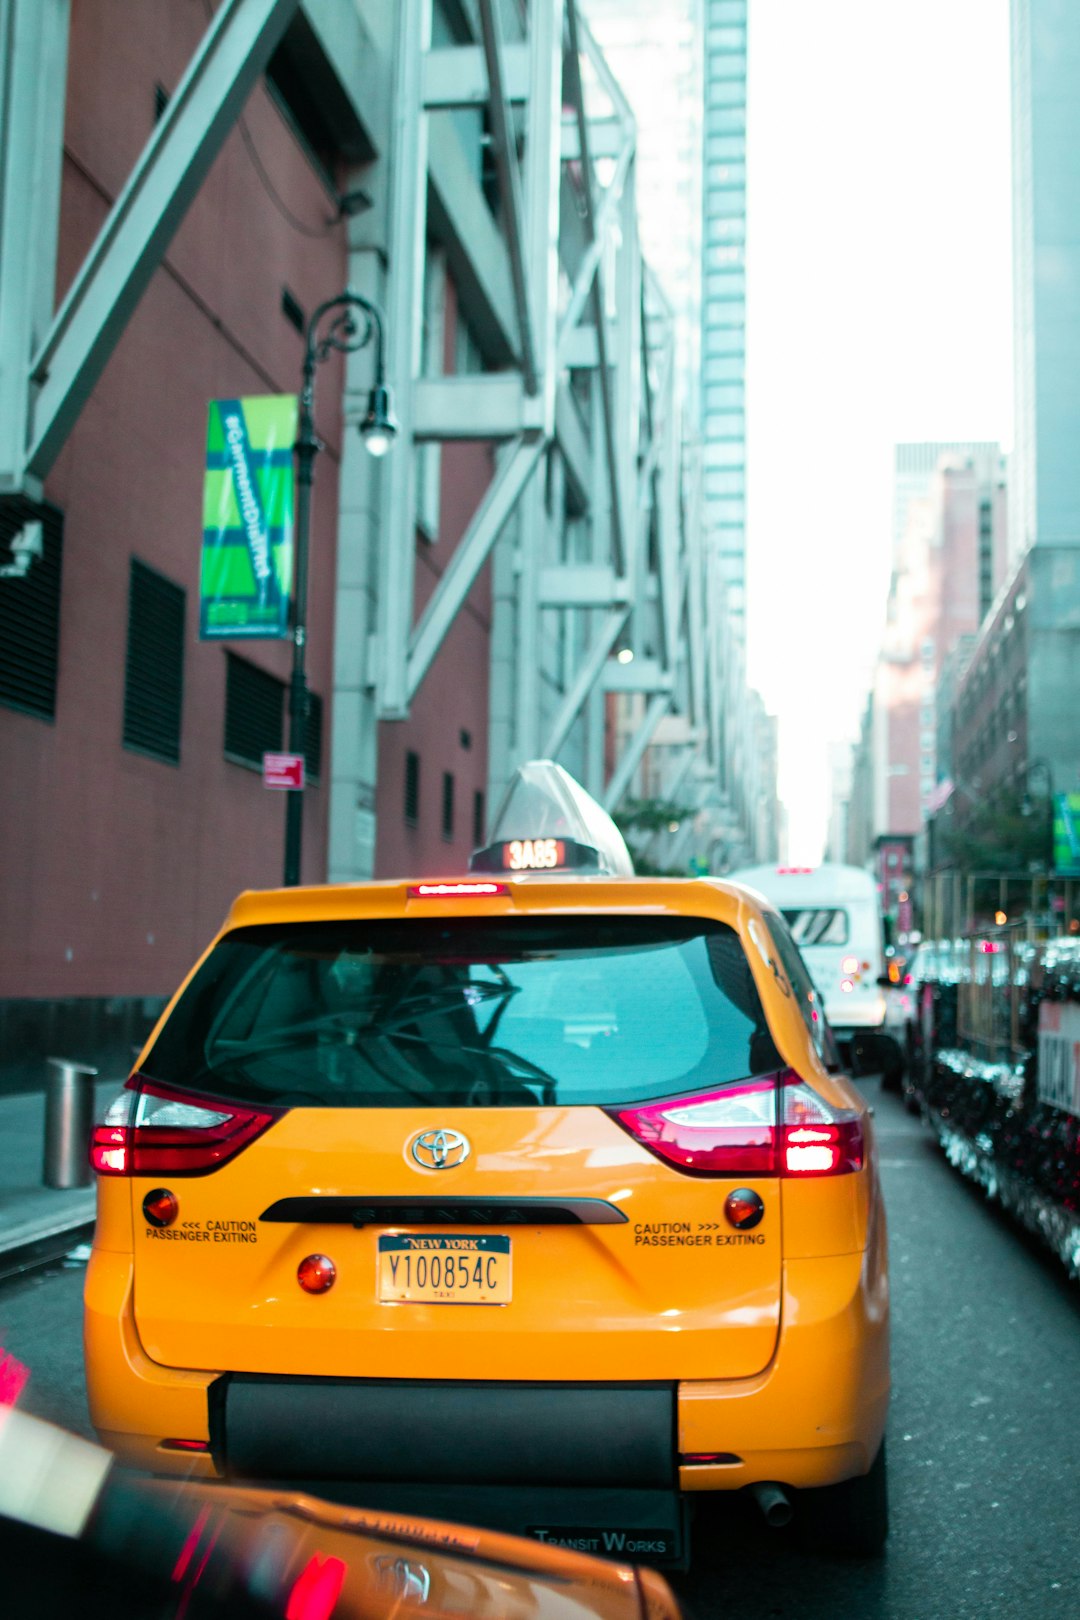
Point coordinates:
pixel 548 826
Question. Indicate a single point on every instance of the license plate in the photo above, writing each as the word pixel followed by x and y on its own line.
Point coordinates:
pixel 444 1269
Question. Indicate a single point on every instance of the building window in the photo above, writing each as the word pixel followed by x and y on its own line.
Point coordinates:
pixel 722 452
pixel 478 819
pixel 154 671
pixel 300 104
pixel 293 310
pixel 448 805
pixel 718 147
pixel 254 709
pixel 30 605
pixel 313 733
pixel 412 788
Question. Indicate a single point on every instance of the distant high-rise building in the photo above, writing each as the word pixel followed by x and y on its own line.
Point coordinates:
pixel 948 565
pixel 1013 726
pixel 914 466
pixel 655 52
pixel 723 309
pixel 1046 271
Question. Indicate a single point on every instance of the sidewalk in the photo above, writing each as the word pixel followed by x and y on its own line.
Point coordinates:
pixel 31 1214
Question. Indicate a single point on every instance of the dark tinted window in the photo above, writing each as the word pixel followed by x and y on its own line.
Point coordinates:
pixel 469 1012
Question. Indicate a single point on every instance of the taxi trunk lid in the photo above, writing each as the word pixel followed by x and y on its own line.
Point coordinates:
pixel 616 1266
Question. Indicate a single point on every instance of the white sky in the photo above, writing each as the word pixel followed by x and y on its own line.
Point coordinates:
pixel 879 309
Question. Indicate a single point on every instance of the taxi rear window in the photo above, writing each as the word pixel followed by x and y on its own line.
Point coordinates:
pixel 467 1012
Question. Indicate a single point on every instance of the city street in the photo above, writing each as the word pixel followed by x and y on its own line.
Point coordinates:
pixel 983 1460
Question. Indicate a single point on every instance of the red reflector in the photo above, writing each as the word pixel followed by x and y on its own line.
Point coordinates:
pixel 317 1589
pixel 155 1130
pixel 184 1445
pixel 161 1207
pixel 316 1274
pixel 701 1459
pixel 455 891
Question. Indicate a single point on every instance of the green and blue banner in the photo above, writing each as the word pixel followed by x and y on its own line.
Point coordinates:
pixel 247 552
pixel 1067 834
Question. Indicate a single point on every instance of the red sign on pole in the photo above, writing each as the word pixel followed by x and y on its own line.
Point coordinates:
pixel 283 771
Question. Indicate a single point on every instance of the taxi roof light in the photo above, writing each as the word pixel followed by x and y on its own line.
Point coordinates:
pixel 548 826
pixel 775 1125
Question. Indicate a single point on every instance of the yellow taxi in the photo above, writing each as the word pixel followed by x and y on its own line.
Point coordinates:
pixel 542 1182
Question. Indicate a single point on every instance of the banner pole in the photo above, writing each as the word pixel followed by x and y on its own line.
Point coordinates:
pixel 307 448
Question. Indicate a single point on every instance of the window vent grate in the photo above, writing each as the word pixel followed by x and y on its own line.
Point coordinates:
pixel 154 672
pixel 254 708
pixel 313 734
pixel 448 806
pixel 30 610
pixel 412 788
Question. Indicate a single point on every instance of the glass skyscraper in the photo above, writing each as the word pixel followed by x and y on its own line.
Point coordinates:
pixel 723 325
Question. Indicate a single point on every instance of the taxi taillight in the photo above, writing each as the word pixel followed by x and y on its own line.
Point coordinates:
pixel 155 1130
pixel 773 1126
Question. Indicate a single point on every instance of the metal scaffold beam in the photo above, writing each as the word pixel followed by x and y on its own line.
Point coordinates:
pixel 608 614
pixel 145 217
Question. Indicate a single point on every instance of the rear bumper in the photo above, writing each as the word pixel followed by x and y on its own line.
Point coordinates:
pixel 814 1416
pixel 444 1431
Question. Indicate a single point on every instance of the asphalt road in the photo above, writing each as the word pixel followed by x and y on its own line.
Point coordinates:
pixel 984 1453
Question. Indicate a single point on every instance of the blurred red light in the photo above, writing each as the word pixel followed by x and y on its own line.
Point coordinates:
pixel 13 1377
pixel 187 1551
pixel 317 1589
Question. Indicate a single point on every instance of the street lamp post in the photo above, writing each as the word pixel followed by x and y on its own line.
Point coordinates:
pixel 345 333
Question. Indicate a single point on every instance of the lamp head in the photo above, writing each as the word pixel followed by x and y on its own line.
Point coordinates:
pixel 379 427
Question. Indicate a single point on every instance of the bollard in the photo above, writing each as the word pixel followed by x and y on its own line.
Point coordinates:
pixel 69 1117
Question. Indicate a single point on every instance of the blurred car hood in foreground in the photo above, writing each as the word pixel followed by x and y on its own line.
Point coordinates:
pixel 80 1537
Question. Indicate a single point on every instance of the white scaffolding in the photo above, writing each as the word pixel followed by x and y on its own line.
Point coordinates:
pixel 491 139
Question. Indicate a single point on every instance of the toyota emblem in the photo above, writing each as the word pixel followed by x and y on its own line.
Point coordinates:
pixel 440 1150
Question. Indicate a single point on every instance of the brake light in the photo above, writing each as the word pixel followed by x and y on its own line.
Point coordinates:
pixel 155 1130
pixel 455 891
pixel 774 1126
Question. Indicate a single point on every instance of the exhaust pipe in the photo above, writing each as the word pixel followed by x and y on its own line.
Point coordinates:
pixel 774 1502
